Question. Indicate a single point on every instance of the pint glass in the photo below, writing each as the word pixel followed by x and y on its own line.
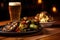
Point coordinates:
pixel 15 11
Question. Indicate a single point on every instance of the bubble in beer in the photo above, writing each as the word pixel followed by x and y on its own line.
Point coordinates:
pixel 14 3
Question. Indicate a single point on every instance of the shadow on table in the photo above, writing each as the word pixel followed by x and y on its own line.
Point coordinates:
pixel 55 26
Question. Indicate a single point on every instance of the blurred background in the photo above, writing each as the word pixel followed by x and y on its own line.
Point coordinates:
pixel 31 8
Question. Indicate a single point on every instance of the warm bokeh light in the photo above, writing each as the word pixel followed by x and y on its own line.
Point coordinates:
pixel 2 4
pixel 39 1
pixel 54 9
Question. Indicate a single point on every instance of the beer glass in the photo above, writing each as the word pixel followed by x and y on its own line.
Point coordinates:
pixel 15 11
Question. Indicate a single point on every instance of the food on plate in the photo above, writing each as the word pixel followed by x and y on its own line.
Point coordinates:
pixel 24 25
pixel 28 25
pixel 44 17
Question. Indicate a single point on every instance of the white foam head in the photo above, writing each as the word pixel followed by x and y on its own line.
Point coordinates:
pixel 14 3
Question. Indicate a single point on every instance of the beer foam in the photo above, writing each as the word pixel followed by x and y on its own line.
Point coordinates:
pixel 14 3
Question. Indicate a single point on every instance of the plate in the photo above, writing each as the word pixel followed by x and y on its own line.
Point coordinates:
pixel 47 24
pixel 18 33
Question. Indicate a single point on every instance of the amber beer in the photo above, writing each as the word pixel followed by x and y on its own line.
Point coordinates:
pixel 15 10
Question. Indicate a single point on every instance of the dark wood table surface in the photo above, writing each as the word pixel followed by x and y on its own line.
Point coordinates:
pixel 47 34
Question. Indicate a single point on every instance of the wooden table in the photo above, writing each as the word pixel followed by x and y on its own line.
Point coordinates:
pixel 48 34
pixel 4 22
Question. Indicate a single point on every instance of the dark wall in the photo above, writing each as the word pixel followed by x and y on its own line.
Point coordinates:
pixel 4 14
pixel 29 8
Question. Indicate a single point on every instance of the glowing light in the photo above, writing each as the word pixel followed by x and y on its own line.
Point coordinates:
pixel 39 1
pixel 54 9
